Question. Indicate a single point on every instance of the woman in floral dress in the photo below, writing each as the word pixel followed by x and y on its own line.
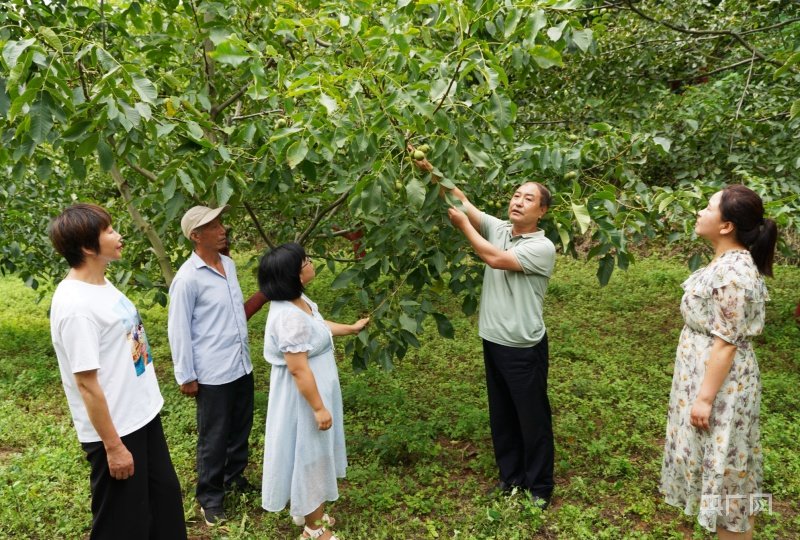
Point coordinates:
pixel 712 456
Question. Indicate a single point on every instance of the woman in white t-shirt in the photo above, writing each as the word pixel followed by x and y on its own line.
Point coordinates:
pixel 108 377
pixel 304 449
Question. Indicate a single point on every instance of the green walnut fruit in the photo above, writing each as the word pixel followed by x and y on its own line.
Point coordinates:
pixel 571 175
pixel 280 123
pixel 398 185
pixel 435 229
pixel 418 155
pixel 424 148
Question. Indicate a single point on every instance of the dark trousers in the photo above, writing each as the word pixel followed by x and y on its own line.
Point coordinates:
pixel 146 505
pixel 224 421
pixel 519 415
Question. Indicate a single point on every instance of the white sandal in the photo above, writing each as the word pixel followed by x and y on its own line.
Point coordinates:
pixel 308 532
pixel 326 520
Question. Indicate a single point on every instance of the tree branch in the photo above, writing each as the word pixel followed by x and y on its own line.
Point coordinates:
pixel 332 208
pixel 141 170
pixel 741 99
pixel 714 71
pixel 144 226
pixel 261 232
pixel 449 86
pixel 82 76
pixel 216 109
pixel 773 27
pixel 253 115
pixel 735 35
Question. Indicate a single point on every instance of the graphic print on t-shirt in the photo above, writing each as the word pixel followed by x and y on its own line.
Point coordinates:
pixel 137 338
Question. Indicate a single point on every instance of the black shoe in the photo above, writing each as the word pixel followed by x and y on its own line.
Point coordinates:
pixel 213 515
pixel 500 489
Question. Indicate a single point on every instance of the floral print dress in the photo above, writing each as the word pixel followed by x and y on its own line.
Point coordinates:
pixel 717 474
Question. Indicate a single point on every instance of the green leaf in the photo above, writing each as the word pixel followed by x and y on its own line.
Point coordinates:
pixel 582 38
pixel 5 101
pixel 407 323
pixel 665 202
pixel 231 52
pixel 164 129
pixel 296 153
pixel 343 280
pixel 195 130
pixel 444 326
pixel 600 126
pixel 76 130
pixel 537 22
pixel 563 234
pixel 581 216
pixel 478 156
pixel 792 60
pixel 41 122
pixel 51 38
pixel 328 102
pixel 186 182
pixel 106 60
pixel 146 90
pixel 415 191
pixel 104 155
pixel 87 146
pixel 224 190
pixel 546 56
pixel 663 142
pixel 13 49
pixel 794 111
pixel 511 22
pixel 168 191
pixel 604 269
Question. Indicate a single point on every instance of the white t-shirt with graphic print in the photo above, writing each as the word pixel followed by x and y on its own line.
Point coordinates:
pixel 97 327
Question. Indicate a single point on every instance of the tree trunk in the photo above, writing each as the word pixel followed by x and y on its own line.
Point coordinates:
pixel 143 225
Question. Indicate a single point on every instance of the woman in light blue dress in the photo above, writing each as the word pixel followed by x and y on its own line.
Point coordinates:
pixel 304 449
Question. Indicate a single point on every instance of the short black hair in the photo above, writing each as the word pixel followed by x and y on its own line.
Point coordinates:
pixel 279 272
pixel 78 227
pixel 545 198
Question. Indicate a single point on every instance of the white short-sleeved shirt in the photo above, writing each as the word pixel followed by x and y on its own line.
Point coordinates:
pixel 96 327
pixel 290 329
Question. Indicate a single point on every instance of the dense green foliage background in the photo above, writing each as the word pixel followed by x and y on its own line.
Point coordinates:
pixel 418 437
pixel 298 114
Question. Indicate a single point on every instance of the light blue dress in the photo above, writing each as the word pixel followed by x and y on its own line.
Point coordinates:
pixel 301 463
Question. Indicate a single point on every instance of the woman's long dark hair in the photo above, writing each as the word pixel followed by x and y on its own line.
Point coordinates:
pixel 279 272
pixel 743 207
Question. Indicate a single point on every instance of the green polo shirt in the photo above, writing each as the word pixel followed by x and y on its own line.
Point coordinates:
pixel 511 302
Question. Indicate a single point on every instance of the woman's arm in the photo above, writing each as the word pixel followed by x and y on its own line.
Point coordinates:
pixel 120 460
pixel 297 363
pixel 719 365
pixel 339 329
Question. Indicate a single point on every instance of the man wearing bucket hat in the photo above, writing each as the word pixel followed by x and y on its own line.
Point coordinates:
pixel 208 337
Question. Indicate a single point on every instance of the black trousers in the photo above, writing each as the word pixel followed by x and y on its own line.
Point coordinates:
pixel 146 505
pixel 519 415
pixel 224 421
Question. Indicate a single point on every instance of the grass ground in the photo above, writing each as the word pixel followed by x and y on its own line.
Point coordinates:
pixel 418 437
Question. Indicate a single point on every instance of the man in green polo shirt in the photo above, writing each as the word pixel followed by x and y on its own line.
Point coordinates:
pixel 519 261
